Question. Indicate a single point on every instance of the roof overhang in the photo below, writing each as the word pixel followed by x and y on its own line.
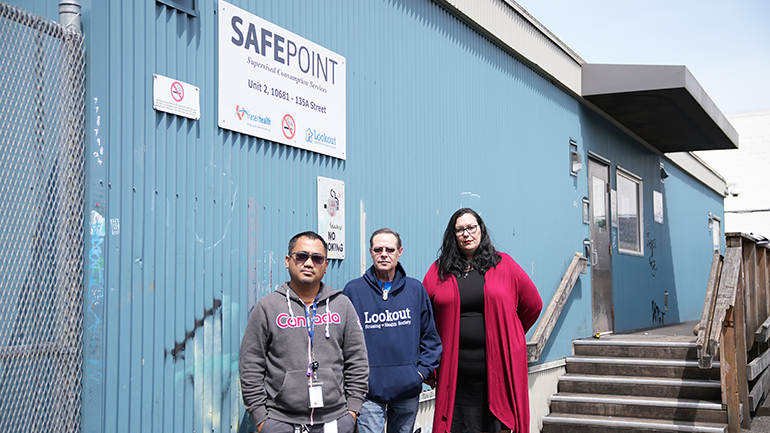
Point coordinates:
pixel 664 105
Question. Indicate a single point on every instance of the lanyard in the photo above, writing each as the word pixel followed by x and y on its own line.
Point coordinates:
pixel 310 319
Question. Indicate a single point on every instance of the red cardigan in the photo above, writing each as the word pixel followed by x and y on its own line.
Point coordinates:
pixel 511 306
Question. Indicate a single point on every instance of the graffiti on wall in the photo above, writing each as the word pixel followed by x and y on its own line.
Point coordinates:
pixel 651 245
pixel 658 315
pixel 95 292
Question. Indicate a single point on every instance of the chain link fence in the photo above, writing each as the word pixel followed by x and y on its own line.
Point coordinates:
pixel 41 223
pixel 756 221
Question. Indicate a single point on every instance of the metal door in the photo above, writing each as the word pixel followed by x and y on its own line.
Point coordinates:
pixel 601 249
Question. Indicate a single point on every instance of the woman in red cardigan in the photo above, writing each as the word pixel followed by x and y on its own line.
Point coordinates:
pixel 483 303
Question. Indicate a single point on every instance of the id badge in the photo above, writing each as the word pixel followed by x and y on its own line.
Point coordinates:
pixel 316 395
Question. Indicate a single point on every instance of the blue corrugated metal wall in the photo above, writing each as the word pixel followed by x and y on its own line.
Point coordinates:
pixel 687 241
pixel 677 253
pixel 198 218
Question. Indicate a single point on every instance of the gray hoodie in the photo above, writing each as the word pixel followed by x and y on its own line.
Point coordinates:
pixel 274 358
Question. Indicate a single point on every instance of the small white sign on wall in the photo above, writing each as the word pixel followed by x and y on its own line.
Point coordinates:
pixel 657 201
pixel 331 215
pixel 175 97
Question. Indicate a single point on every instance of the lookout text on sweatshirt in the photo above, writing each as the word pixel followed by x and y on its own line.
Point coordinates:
pixel 401 338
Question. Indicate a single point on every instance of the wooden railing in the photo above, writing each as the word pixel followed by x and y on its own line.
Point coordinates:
pixel 735 326
pixel 555 307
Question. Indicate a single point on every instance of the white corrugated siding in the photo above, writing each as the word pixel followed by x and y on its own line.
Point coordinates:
pixel 543 381
pixel 506 20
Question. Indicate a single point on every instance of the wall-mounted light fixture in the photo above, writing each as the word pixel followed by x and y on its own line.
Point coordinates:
pixel 732 189
pixel 663 173
pixel 576 161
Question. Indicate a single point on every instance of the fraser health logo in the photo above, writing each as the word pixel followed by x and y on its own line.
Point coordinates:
pixel 313 136
pixel 242 112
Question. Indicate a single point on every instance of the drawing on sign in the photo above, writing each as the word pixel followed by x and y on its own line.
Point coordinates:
pixel 287 124
pixel 177 91
pixel 333 203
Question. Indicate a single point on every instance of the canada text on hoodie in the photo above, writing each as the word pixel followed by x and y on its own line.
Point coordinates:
pixel 274 358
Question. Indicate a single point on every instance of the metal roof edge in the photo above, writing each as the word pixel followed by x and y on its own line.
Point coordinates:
pixel 512 28
pixel 602 78
pixel 667 96
pixel 544 30
pixel 709 106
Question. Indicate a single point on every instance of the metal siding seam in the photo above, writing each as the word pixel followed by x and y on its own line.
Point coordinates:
pixel 147 358
pixel 128 311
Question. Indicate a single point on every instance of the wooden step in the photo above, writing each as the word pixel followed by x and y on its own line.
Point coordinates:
pixel 614 348
pixel 641 367
pixel 675 409
pixel 699 389
pixel 561 423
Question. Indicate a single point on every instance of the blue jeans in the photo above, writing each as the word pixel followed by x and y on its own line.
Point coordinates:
pixel 400 416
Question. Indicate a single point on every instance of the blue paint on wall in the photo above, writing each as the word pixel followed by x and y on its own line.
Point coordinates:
pixel 438 118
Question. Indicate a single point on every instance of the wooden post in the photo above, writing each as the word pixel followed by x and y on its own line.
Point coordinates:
pixel 740 352
pixel 728 373
pixel 703 331
pixel 761 281
pixel 750 295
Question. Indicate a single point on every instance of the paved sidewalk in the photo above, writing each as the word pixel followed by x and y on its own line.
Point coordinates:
pixel 761 420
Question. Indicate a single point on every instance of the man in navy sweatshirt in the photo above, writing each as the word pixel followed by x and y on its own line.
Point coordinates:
pixel 401 339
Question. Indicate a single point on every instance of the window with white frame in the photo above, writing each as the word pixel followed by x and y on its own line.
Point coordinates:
pixel 629 187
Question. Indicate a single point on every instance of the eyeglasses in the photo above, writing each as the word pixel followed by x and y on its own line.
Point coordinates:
pixel 378 250
pixel 470 229
pixel 302 256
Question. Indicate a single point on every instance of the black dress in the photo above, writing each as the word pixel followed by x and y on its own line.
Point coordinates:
pixel 471 406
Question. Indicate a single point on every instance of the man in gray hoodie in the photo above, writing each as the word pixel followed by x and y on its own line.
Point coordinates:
pixel 303 361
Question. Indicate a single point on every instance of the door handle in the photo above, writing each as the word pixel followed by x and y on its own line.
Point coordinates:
pixel 594 259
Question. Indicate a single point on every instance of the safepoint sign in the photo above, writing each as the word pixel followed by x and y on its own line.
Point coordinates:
pixel 279 86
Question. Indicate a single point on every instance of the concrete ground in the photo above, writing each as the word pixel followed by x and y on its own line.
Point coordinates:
pixel 761 420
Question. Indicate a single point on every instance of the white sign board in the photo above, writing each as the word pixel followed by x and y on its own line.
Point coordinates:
pixel 279 86
pixel 175 97
pixel 657 205
pixel 331 215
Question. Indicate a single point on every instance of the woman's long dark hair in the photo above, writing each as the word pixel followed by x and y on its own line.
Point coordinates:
pixel 452 261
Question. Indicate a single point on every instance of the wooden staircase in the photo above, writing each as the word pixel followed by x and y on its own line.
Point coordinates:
pixel 623 385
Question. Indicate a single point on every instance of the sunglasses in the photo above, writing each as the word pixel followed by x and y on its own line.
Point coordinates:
pixel 302 256
pixel 378 250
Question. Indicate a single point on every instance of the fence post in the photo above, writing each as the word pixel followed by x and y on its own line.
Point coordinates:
pixel 740 351
pixel 728 373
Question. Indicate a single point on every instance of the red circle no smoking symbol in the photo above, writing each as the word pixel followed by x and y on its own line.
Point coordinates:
pixel 177 91
pixel 288 127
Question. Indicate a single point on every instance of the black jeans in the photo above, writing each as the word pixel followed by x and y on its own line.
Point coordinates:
pixel 345 424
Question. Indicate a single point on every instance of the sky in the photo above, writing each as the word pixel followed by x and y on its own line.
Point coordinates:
pixel 724 44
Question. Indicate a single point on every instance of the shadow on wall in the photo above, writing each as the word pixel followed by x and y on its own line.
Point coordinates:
pixel 247 424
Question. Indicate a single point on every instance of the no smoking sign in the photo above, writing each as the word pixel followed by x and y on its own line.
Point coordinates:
pixel 288 126
pixel 177 91
pixel 175 97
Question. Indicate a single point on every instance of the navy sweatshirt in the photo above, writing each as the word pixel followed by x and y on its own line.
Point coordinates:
pixel 400 334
